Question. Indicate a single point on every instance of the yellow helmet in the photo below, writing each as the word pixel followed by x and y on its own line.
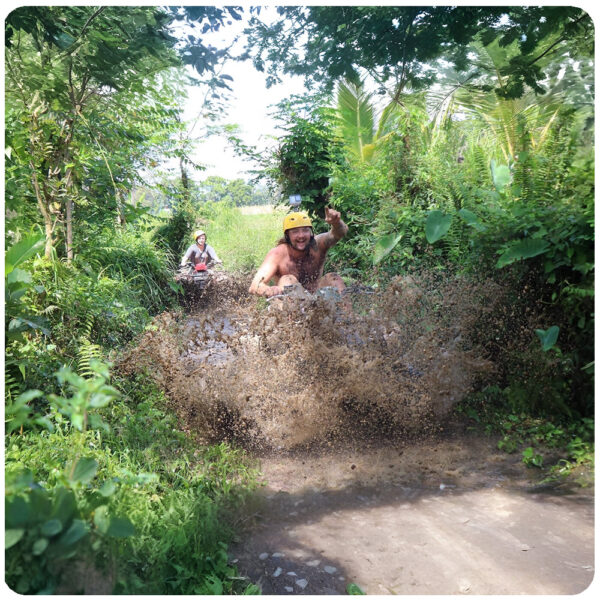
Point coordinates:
pixel 296 219
pixel 198 233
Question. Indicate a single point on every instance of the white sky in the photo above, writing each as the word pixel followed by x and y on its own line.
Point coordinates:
pixel 249 108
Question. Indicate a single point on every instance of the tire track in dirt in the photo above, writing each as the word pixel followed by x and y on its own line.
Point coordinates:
pixel 471 523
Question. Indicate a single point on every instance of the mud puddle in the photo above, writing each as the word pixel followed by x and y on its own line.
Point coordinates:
pixel 367 479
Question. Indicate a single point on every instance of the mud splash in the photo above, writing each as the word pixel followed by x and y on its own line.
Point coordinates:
pixel 307 371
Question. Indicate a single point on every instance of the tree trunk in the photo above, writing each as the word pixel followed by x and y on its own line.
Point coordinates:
pixel 185 182
pixel 48 225
pixel 69 231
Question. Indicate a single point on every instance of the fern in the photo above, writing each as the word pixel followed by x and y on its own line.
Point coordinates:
pixel 87 352
pixel 87 326
pixel 12 387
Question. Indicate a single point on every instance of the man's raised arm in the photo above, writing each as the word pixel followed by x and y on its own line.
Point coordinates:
pixel 338 228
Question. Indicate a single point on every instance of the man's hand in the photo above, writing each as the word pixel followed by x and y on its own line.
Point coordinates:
pixel 332 216
pixel 273 290
pixel 338 228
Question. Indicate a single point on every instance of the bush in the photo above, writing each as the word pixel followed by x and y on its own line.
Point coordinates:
pixel 132 499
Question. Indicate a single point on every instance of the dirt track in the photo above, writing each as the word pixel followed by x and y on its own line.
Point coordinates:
pixel 439 511
pixel 450 515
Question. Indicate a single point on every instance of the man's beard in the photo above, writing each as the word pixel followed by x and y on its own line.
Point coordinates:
pixel 309 245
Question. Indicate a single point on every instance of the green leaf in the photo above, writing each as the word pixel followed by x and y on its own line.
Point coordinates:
pixel 76 532
pixel 16 512
pixel 77 420
pixel 85 470
pixel 51 527
pixel 354 590
pixel 108 488
pixel 21 251
pixel 64 505
pixel 101 518
pixel 12 537
pixel 18 276
pixel 471 219
pixel 527 248
pixel 99 401
pixel 39 546
pixel 212 586
pixel 437 226
pixel 16 482
pixel 120 527
pixel 548 337
pixel 500 175
pixel 384 246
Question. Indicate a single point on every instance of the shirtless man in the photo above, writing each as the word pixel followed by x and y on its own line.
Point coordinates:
pixel 299 256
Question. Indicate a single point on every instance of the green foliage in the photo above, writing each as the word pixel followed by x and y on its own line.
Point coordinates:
pixel 521 250
pixel 384 245
pixel 356 118
pixel 354 590
pixel 548 337
pixel 176 233
pixel 89 394
pixel 17 282
pixel 49 525
pixel 87 496
pixel 397 44
pixel 536 437
pixel 74 312
pixel 236 192
pixel 130 256
pixel 501 176
pixel 437 226
pixel 306 155
pixel 88 102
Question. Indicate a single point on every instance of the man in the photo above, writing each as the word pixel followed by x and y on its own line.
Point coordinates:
pixel 299 256
pixel 200 252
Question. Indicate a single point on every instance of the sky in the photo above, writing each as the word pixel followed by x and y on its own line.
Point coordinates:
pixel 249 108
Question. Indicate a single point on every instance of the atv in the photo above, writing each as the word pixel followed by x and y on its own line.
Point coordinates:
pixel 194 279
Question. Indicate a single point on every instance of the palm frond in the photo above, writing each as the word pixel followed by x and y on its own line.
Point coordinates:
pixel 357 117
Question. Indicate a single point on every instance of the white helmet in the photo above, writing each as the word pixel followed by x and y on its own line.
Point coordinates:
pixel 198 233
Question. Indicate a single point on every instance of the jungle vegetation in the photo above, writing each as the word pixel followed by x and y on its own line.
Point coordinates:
pixel 450 138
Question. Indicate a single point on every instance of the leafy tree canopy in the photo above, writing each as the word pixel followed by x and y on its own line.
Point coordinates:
pixel 396 45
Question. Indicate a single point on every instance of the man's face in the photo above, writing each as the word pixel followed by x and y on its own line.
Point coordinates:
pixel 201 239
pixel 300 237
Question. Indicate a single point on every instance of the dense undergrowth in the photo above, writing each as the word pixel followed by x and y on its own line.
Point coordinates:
pixel 129 505
pixel 104 492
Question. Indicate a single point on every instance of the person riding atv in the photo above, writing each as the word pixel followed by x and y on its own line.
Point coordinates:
pixel 193 273
pixel 299 257
pixel 200 252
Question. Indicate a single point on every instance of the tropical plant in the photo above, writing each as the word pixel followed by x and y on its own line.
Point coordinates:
pixel 17 282
pixel 64 65
pixel 303 162
pixel 358 125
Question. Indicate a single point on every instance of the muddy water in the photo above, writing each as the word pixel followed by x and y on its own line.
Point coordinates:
pixel 367 478
pixel 312 370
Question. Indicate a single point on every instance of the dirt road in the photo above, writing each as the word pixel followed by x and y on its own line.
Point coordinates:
pixel 439 511
pixel 446 515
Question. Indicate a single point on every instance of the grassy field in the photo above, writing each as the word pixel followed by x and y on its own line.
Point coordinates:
pixel 242 236
pixel 258 210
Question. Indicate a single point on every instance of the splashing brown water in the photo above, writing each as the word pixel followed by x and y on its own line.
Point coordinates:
pixel 301 371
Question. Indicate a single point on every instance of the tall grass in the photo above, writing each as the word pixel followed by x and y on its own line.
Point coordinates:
pixel 242 239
